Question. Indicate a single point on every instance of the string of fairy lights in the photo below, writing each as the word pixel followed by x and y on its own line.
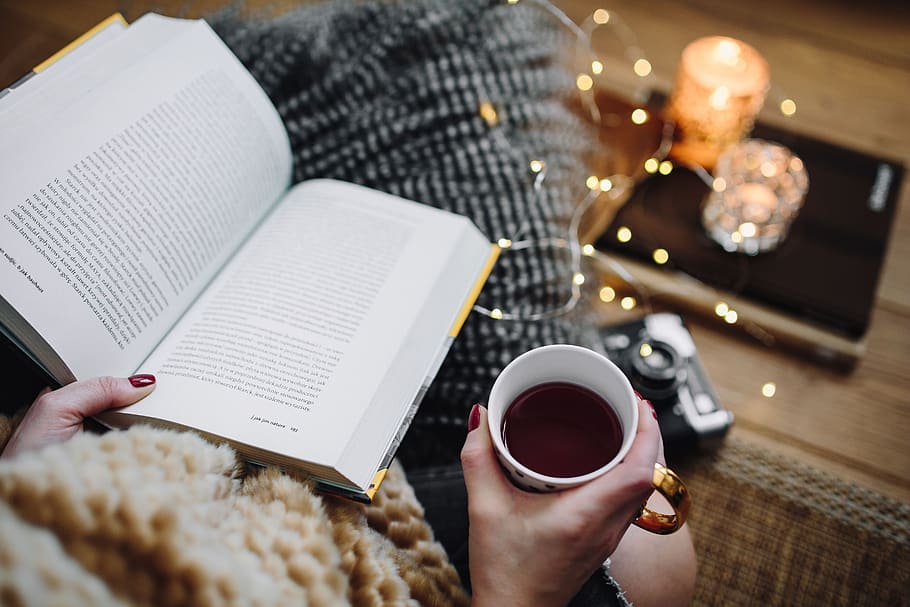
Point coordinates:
pixel 614 185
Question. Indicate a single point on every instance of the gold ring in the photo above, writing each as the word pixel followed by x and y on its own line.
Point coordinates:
pixel 668 484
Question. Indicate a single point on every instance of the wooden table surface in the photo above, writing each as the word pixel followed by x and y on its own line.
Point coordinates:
pixel 848 66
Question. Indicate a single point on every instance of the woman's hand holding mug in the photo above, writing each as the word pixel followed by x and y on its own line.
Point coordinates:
pixel 546 532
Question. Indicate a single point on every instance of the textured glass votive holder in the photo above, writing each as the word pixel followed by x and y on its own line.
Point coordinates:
pixel 759 188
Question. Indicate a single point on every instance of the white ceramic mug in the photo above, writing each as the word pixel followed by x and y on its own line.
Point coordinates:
pixel 586 368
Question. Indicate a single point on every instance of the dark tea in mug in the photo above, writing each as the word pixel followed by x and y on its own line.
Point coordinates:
pixel 561 429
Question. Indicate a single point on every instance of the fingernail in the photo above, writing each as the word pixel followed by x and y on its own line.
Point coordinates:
pixel 638 394
pixel 653 410
pixel 474 418
pixel 142 380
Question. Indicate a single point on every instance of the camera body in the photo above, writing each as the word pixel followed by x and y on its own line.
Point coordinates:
pixel 658 356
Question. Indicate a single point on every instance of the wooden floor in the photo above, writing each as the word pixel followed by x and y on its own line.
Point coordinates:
pixel 848 65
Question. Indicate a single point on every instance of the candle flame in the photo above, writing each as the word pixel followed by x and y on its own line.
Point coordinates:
pixel 729 52
pixel 720 98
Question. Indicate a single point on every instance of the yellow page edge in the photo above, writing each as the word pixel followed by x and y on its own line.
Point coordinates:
pixel 495 249
pixel 116 17
pixel 377 481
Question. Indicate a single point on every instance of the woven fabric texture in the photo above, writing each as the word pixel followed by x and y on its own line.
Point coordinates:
pixel 387 95
pixel 771 531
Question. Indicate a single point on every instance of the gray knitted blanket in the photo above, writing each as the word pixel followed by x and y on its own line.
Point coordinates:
pixel 387 95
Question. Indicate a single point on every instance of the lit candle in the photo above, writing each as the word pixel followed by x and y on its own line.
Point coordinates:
pixel 720 86
pixel 757 200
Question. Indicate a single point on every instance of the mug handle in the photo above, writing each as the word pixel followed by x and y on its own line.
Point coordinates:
pixel 668 484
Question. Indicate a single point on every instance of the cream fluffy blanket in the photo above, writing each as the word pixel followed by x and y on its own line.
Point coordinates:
pixel 150 517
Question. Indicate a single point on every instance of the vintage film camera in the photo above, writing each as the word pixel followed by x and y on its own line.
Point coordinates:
pixel 658 356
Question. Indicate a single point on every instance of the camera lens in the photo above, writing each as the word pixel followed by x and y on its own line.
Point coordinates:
pixel 653 368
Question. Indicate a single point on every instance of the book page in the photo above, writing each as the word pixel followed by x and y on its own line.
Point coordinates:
pixel 334 312
pixel 121 206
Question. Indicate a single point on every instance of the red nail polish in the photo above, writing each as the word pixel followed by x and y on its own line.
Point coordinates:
pixel 142 380
pixel 653 410
pixel 474 418
pixel 638 394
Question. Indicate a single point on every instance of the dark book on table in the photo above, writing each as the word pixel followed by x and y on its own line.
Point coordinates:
pixel 827 270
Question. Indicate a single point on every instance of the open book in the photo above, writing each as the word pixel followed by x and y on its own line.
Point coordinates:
pixel 147 226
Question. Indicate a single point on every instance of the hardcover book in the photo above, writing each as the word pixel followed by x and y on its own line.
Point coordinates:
pixel 815 292
pixel 148 226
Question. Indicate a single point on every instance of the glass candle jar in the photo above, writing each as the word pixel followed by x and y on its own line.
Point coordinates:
pixel 759 188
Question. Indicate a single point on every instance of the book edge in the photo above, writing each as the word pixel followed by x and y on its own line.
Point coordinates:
pixel 474 293
pixel 683 290
pixel 115 18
